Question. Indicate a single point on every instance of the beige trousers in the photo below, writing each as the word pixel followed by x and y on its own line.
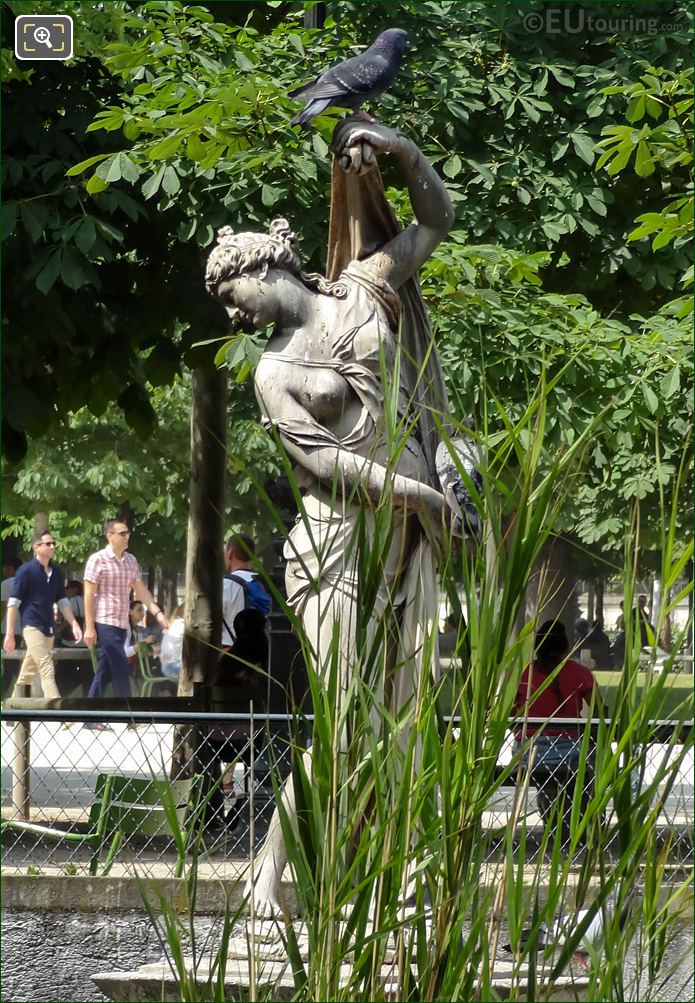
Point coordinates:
pixel 39 659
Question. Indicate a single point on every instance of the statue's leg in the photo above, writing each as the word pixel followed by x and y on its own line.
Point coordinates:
pixel 328 621
pixel 417 658
pixel 264 883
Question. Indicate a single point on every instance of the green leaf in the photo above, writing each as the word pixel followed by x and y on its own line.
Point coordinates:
pixel 296 41
pixel 597 205
pixel 584 146
pixel 651 400
pixel 553 231
pixel 562 76
pixel 621 159
pixel 671 382
pixel 595 107
pixel 120 167
pixel 242 61
pixel 129 170
pixel 270 195
pixel 320 145
pixel 32 221
pixel 114 172
pixel 482 170
pixel 452 167
pixel 109 230
pixel 86 235
pixel 166 148
pixel 9 219
pixel 196 149
pixel 104 169
pixel 170 181
pixel 71 271
pixel 151 185
pixel 644 165
pixel 635 109
pixel 662 239
pixel 84 164
pixel 96 185
pixel 50 272
pixel 205 234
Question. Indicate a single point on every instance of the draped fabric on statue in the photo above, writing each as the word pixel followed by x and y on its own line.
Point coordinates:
pixel 361 222
pixel 321 546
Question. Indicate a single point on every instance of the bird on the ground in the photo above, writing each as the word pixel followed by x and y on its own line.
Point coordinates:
pixel 560 929
pixel 354 81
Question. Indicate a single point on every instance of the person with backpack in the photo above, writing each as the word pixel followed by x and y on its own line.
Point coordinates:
pixel 243 662
pixel 241 586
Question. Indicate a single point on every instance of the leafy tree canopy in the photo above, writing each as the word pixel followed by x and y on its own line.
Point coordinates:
pixel 567 155
pixel 91 469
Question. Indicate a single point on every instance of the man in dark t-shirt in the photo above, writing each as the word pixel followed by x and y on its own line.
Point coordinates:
pixel 38 586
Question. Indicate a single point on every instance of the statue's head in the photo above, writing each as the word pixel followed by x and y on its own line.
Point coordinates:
pixel 238 254
pixel 255 254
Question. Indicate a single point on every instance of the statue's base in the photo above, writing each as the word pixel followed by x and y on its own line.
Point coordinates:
pixel 271 973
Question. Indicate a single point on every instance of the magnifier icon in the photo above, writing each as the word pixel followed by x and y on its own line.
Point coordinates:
pixel 43 36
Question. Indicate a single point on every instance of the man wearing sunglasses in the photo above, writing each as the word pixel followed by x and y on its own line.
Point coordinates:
pixel 38 586
pixel 109 577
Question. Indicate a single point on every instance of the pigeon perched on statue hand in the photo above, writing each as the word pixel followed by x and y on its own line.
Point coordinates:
pixel 461 454
pixel 356 80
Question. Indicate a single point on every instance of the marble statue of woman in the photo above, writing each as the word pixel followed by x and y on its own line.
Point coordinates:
pixel 351 383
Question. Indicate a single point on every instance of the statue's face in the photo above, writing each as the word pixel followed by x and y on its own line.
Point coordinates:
pixel 250 298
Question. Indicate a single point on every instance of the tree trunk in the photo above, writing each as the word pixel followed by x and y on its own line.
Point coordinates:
pixel 204 551
pixel 315 15
pixel 590 603
pixel 41 522
pixel 599 600
pixel 662 623
pixel 691 619
pixel 151 579
pixel 126 514
pixel 552 591
pixel 168 597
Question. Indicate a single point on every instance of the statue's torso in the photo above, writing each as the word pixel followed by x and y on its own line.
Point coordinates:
pixel 340 371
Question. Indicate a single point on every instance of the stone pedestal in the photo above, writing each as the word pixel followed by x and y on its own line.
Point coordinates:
pixel 257 955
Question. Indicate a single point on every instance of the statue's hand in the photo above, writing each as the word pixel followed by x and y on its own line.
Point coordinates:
pixel 379 137
pixel 358 145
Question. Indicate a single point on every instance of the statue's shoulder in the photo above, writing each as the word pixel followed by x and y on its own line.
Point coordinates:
pixel 361 269
pixel 365 279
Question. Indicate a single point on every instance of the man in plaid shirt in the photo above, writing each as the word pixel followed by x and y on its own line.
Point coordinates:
pixel 110 576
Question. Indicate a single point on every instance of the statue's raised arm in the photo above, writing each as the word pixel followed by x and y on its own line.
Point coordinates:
pixel 357 145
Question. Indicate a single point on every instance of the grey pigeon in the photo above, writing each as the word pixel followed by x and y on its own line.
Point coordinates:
pixel 467 458
pixel 556 934
pixel 356 80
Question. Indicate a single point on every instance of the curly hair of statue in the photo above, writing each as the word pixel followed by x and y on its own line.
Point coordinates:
pixel 238 254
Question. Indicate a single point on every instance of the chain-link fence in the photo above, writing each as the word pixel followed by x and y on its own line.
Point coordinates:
pixel 86 791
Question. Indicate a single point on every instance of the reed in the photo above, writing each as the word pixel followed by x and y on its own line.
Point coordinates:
pixel 394 864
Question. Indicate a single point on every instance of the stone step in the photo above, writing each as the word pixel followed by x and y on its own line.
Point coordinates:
pixel 273 977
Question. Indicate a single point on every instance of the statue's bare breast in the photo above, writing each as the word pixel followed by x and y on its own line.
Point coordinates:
pixel 323 393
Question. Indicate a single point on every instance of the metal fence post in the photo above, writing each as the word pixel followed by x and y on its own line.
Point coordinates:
pixel 21 762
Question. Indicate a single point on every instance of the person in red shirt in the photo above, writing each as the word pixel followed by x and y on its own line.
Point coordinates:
pixel 555 686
